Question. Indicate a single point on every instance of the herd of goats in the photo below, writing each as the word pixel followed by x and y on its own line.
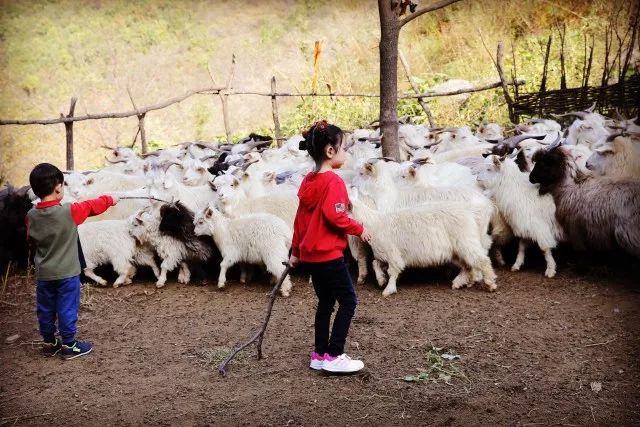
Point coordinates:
pixel 456 197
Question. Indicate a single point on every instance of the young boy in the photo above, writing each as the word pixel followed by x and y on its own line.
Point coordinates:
pixel 52 228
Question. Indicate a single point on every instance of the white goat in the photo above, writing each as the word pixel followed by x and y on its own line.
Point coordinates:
pixel 618 158
pixel 426 236
pixel 530 215
pixel 109 242
pixel 254 239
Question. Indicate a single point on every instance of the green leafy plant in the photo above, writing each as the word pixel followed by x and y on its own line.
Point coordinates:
pixel 440 366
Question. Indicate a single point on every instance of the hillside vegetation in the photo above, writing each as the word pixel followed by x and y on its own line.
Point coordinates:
pixel 53 50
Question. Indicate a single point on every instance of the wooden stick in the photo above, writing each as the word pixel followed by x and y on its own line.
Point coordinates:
pixel 15 418
pixel 259 335
pixel 416 89
pixel 123 115
pixel 426 9
pixel 274 112
pixel 543 83
pixel 68 127
pixel 225 100
pixel 142 198
pixel 143 135
pixel 503 81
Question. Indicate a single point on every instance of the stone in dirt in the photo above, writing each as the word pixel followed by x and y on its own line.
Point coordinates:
pixel 11 339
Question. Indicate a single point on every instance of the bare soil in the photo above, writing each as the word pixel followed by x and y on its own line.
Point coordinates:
pixel 533 352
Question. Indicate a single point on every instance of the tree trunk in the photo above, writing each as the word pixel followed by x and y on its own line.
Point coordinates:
pixel 389 32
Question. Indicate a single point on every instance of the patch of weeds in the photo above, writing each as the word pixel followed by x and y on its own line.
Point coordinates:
pixel 441 366
pixel 213 357
pixel 87 296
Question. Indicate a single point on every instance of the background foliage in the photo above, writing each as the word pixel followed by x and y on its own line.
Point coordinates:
pixel 53 50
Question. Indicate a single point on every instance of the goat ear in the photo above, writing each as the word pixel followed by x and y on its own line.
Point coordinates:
pixel 605 149
pixel 269 176
pixel 496 162
pixel 368 167
pixel 208 213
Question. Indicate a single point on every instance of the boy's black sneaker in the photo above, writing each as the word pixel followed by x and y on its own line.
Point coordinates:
pixel 77 349
pixel 50 349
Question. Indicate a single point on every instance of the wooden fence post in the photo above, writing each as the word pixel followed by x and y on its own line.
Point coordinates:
pixel 416 89
pixel 68 127
pixel 224 97
pixel 274 111
pixel 225 100
pixel 141 131
pixel 505 88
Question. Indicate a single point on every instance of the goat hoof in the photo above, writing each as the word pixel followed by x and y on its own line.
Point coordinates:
pixel 159 285
pixel 115 285
pixel 221 285
pixel 492 287
pixel 386 293
pixel 550 273
pixel 515 268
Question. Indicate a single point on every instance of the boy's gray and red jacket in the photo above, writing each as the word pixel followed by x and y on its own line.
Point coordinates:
pixel 322 223
pixel 53 228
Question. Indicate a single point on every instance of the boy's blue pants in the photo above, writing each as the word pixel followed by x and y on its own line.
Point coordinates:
pixel 58 299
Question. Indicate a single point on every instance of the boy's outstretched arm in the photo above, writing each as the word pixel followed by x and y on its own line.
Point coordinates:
pixel 80 211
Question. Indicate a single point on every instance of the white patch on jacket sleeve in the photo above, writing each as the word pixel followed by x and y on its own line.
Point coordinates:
pixel 340 207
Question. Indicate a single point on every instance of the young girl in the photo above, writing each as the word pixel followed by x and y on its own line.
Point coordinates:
pixel 319 239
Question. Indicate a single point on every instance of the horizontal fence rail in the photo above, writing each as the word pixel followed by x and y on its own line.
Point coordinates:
pixel 223 92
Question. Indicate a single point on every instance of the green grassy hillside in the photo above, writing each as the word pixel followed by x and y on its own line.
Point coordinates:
pixel 53 50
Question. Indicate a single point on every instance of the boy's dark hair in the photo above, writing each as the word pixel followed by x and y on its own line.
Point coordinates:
pixel 44 178
pixel 318 136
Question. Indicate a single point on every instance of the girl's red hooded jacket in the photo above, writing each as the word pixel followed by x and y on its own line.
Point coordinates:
pixel 321 226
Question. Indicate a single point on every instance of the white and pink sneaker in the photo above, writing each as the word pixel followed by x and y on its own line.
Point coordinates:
pixel 342 364
pixel 317 361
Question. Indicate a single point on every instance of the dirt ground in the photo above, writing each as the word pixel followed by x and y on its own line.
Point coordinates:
pixel 561 351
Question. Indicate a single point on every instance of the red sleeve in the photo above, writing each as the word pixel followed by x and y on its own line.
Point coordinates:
pixel 295 242
pixel 80 211
pixel 334 209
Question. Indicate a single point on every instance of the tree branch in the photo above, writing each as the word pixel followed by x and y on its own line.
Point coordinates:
pixel 430 8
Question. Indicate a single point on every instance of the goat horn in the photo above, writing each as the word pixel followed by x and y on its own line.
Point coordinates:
pixel 113 162
pixel 151 154
pixel 614 136
pixel 166 165
pixel 421 161
pixel 517 139
pixel 387 159
pixel 555 144
pixel 245 166
pixel 579 114
pixel 515 153
pixel 205 158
